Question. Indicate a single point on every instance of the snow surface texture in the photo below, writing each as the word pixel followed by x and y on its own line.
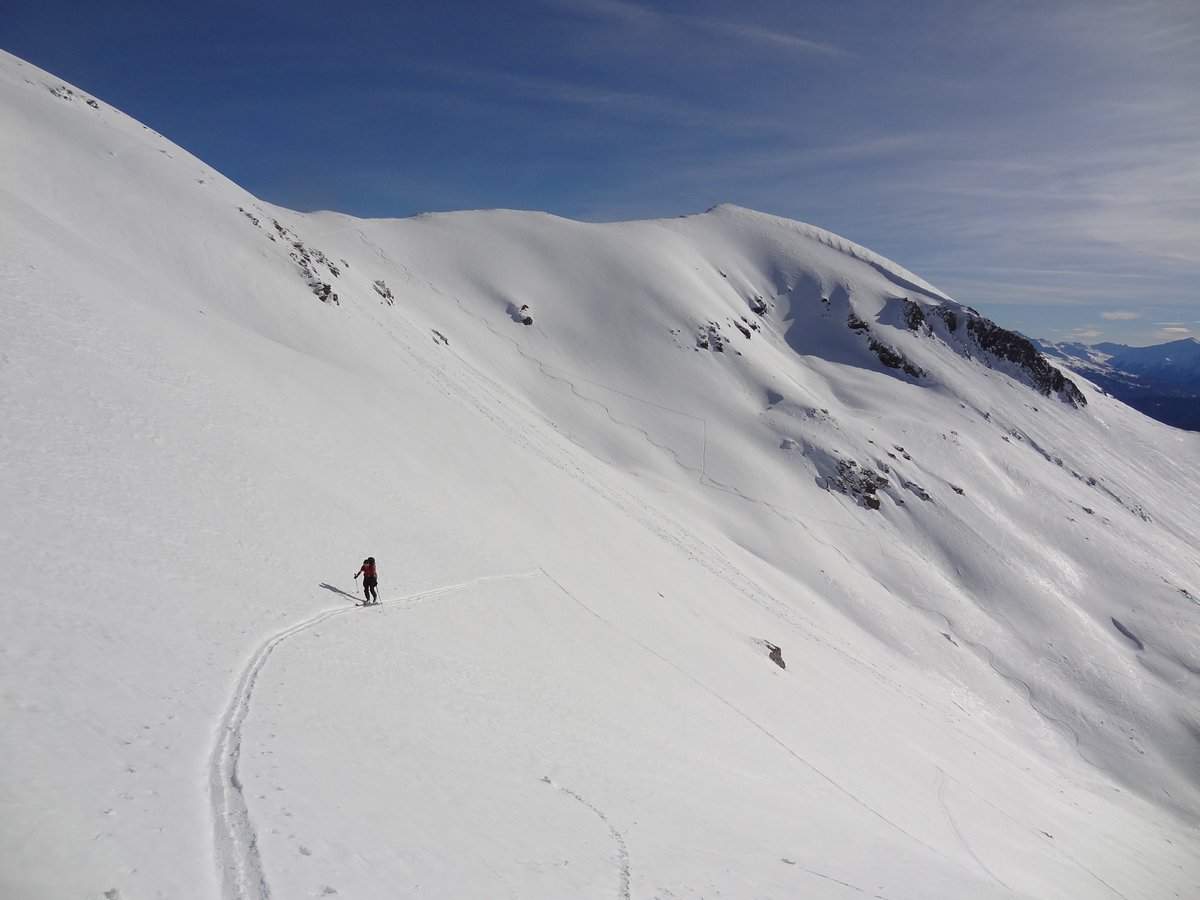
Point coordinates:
pixel 606 470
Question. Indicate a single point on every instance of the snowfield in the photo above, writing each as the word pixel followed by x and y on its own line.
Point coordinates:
pixel 605 469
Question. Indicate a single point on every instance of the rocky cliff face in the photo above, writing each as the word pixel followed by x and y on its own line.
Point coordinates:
pixel 979 337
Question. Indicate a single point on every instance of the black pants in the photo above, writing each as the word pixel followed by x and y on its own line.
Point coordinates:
pixel 369 591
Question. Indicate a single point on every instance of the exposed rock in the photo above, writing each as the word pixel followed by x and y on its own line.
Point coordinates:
pixel 893 359
pixel 711 338
pixel 521 315
pixel 774 653
pixel 382 290
pixel 1020 351
pixel 914 316
pixel 858 482
pixel 324 292
pixel 306 259
pixel 986 337
pixel 947 315
pixel 916 489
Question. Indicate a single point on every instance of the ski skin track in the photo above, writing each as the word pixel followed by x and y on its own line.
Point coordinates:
pixel 235 843
pixel 624 891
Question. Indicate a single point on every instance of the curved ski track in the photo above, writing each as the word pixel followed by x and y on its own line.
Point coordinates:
pixel 618 838
pixel 235 841
pixel 953 823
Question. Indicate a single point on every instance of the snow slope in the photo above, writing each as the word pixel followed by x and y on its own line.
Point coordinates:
pixel 591 529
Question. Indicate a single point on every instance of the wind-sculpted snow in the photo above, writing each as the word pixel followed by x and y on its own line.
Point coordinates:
pixel 708 435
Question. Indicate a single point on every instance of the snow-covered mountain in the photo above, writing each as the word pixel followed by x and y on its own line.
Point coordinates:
pixel 720 557
pixel 1173 361
pixel 1162 381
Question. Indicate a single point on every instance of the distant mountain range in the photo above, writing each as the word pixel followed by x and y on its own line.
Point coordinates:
pixel 1162 381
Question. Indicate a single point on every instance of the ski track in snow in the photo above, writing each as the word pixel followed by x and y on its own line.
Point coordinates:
pixel 235 841
pixel 1047 839
pixel 846 884
pixel 622 848
pixel 744 715
pixel 953 823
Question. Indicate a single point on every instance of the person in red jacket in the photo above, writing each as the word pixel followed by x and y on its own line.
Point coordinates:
pixel 370 581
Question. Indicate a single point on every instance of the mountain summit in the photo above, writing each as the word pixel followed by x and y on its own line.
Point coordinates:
pixel 719 556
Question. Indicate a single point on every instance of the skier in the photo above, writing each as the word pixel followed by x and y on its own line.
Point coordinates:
pixel 370 582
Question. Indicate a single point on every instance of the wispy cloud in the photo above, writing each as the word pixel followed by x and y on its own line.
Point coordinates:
pixel 485 86
pixel 1143 194
pixel 638 16
pixel 760 35
pixel 1119 314
pixel 1173 334
pixel 785 159
pixel 630 13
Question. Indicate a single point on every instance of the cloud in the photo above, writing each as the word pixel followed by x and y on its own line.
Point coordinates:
pixel 1172 334
pixel 1147 200
pixel 486 85
pixel 782 160
pixel 1086 333
pixel 1137 173
pixel 629 13
pixel 637 16
pixel 756 34
pixel 1121 314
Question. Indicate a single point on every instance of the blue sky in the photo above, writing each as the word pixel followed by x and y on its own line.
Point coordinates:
pixel 1039 161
